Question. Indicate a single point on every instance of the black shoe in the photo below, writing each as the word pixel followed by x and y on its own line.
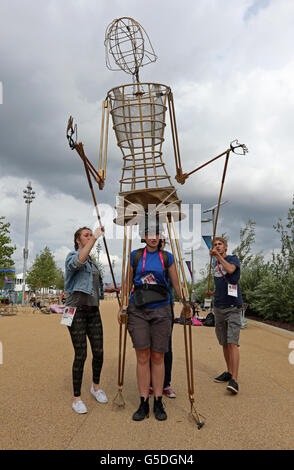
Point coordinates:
pixel 158 409
pixel 224 377
pixel 233 387
pixel 142 411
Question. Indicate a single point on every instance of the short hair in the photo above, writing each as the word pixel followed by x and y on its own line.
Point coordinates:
pixel 222 239
pixel 77 235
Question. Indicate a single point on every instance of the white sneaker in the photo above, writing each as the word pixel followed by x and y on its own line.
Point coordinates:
pixel 99 395
pixel 79 407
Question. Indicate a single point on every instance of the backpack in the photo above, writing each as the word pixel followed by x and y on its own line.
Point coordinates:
pixel 209 320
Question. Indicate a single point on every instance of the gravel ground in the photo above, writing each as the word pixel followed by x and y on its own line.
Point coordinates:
pixel 36 391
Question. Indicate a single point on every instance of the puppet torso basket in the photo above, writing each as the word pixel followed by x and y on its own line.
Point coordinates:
pixel 138 114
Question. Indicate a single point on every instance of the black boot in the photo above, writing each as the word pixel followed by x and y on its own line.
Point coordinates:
pixel 142 411
pixel 158 409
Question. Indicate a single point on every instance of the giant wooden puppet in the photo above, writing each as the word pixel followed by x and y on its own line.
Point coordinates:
pixel 138 112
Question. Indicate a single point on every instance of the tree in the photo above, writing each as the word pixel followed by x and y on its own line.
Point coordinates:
pixel 59 281
pixel 253 268
pixel 96 258
pixel 247 238
pixel 6 250
pixel 44 272
pixel 268 287
pixel 283 262
pixel 273 298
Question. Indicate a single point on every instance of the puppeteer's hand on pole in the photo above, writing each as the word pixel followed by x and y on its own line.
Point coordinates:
pixel 213 252
pixel 98 232
pixel 187 310
pixel 111 290
pixel 119 314
pixel 209 293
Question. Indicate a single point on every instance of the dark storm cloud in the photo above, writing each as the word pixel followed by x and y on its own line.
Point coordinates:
pixel 231 72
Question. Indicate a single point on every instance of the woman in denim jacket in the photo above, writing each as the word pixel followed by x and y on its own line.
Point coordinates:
pixel 82 291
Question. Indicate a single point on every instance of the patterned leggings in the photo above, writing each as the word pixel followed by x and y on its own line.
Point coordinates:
pixel 86 324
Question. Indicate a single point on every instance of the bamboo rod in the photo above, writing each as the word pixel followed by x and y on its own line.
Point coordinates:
pixel 153 139
pixel 188 351
pixel 175 257
pixel 207 163
pixel 174 130
pixel 106 138
pixel 180 260
pixel 129 265
pixel 101 136
pixel 123 286
pixel 122 355
pixel 188 365
pixel 125 124
pixel 80 145
pixel 142 137
pixel 218 207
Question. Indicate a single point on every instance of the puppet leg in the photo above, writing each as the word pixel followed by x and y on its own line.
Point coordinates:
pixel 119 400
pixel 186 310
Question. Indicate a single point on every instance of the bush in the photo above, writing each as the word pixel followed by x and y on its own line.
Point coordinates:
pixel 251 276
pixel 273 297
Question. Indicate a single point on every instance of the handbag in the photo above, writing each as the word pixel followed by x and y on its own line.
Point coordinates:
pixel 150 293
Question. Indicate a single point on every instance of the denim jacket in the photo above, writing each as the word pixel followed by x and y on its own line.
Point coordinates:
pixel 78 276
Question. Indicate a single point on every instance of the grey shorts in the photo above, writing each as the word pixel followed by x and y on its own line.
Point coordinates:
pixel 227 325
pixel 150 327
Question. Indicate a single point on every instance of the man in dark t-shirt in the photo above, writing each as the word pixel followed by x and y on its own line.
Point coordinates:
pixel 227 309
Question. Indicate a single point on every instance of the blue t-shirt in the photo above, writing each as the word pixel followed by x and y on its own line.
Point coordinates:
pixel 153 266
pixel 221 297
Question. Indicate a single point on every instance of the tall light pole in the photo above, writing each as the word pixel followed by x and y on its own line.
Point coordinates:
pixel 28 196
pixel 212 210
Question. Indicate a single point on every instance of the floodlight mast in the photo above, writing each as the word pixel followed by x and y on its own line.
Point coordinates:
pixel 29 196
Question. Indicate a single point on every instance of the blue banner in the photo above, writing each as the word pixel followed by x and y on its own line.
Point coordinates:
pixel 207 239
pixel 188 263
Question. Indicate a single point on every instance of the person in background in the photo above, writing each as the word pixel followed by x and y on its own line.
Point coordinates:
pixel 82 292
pixel 63 297
pixel 33 300
pixel 227 310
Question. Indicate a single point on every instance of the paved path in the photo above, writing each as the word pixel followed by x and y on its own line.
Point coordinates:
pixel 36 391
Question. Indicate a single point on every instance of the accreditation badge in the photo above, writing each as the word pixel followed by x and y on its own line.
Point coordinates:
pixel 233 290
pixel 149 279
pixel 68 316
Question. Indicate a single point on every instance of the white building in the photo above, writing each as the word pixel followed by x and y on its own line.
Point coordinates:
pixel 18 287
pixel 18 283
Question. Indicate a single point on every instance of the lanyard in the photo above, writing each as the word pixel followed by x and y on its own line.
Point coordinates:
pixel 144 260
pixel 219 268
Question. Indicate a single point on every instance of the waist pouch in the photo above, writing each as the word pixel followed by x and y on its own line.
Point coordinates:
pixel 149 294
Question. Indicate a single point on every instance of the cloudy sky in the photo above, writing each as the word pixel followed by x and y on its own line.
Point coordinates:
pixel 231 69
